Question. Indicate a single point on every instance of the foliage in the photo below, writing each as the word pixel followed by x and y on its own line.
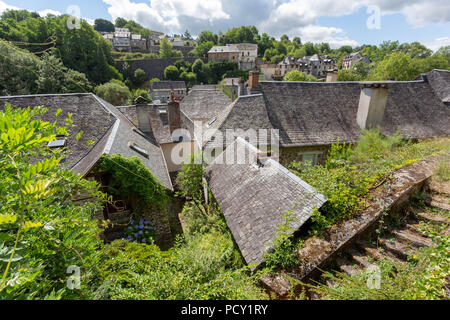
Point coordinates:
pixel 396 66
pixel 189 180
pixel 102 25
pixel 296 75
pixel 200 268
pixel 348 75
pixel 166 50
pixel 443 171
pixel 115 92
pixel 140 231
pixel 171 73
pixel 139 93
pixel 349 173
pixel 81 49
pixel 23 73
pixel 132 181
pixel 139 77
pixel 423 277
pixel 202 49
pixel 42 230
pixel 282 251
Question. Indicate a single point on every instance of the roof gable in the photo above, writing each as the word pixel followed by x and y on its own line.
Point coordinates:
pixel 253 198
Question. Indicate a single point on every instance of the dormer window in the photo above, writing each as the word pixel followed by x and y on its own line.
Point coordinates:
pixel 138 149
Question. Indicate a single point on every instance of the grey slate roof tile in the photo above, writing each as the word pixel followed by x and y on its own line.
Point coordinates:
pixel 253 199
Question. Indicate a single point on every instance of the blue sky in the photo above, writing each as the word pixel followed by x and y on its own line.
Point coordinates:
pixel 337 22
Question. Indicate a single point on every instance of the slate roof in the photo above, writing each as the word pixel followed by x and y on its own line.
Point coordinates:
pixel 440 82
pixel 100 122
pixel 310 114
pixel 168 85
pixel 220 49
pixel 204 103
pixel 253 198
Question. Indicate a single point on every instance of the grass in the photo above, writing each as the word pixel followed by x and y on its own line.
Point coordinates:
pixel 443 171
pixel 350 172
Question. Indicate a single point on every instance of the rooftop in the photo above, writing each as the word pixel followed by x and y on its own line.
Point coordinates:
pixel 253 198
pixel 168 85
pixel 204 103
pixel 101 123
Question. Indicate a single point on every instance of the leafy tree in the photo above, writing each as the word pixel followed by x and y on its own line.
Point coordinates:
pixel 297 40
pixel 348 75
pixel 202 49
pixel 115 92
pixel 139 93
pixel 207 36
pixel 197 66
pixel 171 73
pixel 120 22
pixel 139 77
pixel 396 66
pixel 42 231
pixel 103 25
pixel 296 75
pixel 284 38
pixel 166 49
pixel 415 49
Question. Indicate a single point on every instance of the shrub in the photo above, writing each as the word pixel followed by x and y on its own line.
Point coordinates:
pixel 115 92
pixel 296 75
pixel 171 73
pixel 139 77
pixel 190 180
pixel 140 231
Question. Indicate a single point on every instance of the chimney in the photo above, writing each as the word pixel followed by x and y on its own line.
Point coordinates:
pixel 143 117
pixel 253 80
pixel 241 87
pixel 173 110
pixel 372 103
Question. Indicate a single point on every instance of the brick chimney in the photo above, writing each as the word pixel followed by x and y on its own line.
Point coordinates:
pixel 253 80
pixel 174 115
pixel 372 103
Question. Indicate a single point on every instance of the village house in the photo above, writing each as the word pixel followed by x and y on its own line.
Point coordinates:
pixel 254 194
pixel 314 65
pixel 105 130
pixel 310 116
pixel 204 102
pixel 161 90
pixel 244 54
pixel 123 40
pixel 349 61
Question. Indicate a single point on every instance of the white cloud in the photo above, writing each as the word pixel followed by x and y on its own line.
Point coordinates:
pixel 334 36
pixel 4 7
pixel 438 43
pixel 165 14
pixel 45 12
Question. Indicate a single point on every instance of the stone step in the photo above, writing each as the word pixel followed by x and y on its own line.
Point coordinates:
pixel 439 202
pixel 440 187
pixel 360 258
pixel 412 238
pixel 346 266
pixel 432 218
pixel 376 254
pixel 397 248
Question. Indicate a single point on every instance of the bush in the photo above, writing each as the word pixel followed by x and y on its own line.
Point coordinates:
pixel 115 92
pixel 171 73
pixel 139 77
pixel 296 75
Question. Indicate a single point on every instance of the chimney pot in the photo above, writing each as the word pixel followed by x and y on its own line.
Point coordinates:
pixel 174 114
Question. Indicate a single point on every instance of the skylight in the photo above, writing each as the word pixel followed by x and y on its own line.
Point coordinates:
pixel 138 149
pixel 56 143
pixel 211 122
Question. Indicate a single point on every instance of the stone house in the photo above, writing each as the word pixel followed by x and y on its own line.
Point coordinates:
pixel 311 65
pixel 161 90
pixel 123 40
pixel 204 102
pixel 349 61
pixel 254 194
pixel 244 54
pixel 308 117
pixel 111 133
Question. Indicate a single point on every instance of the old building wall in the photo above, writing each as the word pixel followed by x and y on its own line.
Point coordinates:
pixel 287 155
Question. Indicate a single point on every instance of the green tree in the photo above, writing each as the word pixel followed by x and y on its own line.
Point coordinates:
pixel 166 49
pixel 103 25
pixel 139 77
pixel 296 75
pixel 396 66
pixel 171 73
pixel 348 75
pixel 115 92
pixel 202 49
pixel 42 231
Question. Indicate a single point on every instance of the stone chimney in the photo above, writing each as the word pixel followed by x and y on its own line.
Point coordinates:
pixel 372 103
pixel 241 87
pixel 143 117
pixel 174 114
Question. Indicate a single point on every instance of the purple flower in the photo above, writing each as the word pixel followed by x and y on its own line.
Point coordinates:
pixel 154 228
pixel 136 226
pixel 136 235
pixel 144 241
pixel 129 228
pixel 140 232
pixel 132 221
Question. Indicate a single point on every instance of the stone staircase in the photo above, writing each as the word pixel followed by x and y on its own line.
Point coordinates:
pixel 401 242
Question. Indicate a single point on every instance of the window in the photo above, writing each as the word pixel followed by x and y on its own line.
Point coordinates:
pixel 311 157
pixel 211 122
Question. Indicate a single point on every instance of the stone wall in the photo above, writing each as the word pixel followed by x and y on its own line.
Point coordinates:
pixel 154 68
pixel 390 197
pixel 287 155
